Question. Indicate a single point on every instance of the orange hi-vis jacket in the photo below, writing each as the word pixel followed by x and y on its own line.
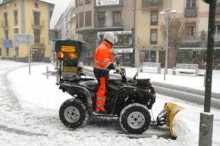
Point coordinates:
pixel 103 56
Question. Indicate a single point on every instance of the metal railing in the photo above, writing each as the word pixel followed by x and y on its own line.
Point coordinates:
pixel 199 38
pixel 217 11
pixel 40 44
pixel 191 12
pixel 152 3
pixel 4 24
pixel 37 23
pixel 108 24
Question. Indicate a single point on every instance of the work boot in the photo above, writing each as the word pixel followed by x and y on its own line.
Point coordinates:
pixel 101 111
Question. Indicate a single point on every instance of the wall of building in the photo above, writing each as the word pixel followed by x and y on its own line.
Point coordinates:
pixel 143 29
pixel 89 33
pixel 25 9
pixel 44 22
pixel 9 8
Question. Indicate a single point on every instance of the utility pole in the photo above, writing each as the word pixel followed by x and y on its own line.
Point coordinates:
pixel 29 53
pixel 166 14
pixel 206 118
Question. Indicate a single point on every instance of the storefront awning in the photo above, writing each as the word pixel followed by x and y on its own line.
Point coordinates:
pixel 197 48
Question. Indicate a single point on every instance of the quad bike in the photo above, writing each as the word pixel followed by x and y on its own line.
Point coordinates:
pixel 129 100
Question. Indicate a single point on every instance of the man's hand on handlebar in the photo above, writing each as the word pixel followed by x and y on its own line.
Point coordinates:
pixel 118 69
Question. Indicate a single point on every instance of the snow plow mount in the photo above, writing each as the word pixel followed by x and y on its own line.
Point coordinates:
pixel 166 116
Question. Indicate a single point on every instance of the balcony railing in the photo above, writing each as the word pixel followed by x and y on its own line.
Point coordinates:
pixel 217 11
pixel 199 38
pixel 38 45
pixel 37 24
pixel 109 24
pixel 191 12
pixel 152 3
pixel 4 24
pixel 217 35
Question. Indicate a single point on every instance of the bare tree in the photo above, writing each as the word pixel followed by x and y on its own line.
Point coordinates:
pixel 177 32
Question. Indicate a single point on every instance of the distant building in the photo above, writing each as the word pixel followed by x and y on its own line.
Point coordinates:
pixel 60 25
pixel 25 17
pixel 67 23
pixel 193 48
pixel 94 17
pixel 150 40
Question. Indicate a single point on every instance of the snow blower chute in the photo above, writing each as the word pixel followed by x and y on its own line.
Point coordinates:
pixel 166 116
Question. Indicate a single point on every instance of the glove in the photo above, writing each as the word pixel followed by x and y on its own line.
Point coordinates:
pixel 118 69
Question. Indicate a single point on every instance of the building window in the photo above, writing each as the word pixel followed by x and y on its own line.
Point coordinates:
pixel 77 21
pixel 154 17
pixel 148 56
pixel 16 51
pixel 36 36
pixel 217 29
pixel 81 19
pixel 117 18
pixel 36 18
pixel 7 51
pixel 6 34
pixel 88 18
pixel 153 36
pixel 192 31
pixel 76 3
pixel 191 3
pixel 87 1
pixel 6 19
pixel 80 2
pixel 16 30
pixel 16 17
pixel 101 19
pixel 36 5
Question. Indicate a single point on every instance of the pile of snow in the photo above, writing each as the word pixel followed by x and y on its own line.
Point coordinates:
pixel 183 131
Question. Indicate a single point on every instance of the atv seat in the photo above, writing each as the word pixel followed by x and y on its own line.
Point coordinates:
pixel 92 85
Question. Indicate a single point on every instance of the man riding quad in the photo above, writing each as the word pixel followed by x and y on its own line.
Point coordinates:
pixel 102 65
pixel 129 100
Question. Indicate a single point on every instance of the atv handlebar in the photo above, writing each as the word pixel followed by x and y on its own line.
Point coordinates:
pixel 122 73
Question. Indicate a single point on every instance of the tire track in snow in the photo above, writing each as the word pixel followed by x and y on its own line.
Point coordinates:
pixel 11 99
pixel 20 132
pixel 9 103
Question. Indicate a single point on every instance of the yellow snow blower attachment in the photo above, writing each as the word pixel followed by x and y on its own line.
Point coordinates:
pixel 166 116
pixel 171 110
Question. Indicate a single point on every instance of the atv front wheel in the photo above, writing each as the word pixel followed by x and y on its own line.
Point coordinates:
pixel 135 118
pixel 73 113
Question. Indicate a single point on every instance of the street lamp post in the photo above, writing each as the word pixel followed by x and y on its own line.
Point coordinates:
pixel 206 118
pixel 166 13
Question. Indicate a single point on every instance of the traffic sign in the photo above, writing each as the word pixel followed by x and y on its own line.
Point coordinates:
pixel 24 39
pixel 8 44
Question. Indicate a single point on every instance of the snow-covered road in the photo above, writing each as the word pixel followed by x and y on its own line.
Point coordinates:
pixel 29 108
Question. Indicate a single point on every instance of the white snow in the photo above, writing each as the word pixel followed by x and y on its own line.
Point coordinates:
pixel 31 116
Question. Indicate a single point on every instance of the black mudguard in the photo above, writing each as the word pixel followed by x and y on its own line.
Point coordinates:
pixel 77 90
pixel 129 94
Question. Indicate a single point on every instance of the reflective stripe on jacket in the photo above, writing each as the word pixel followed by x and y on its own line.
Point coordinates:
pixel 103 56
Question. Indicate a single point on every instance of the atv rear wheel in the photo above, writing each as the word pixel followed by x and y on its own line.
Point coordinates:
pixel 73 113
pixel 135 118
